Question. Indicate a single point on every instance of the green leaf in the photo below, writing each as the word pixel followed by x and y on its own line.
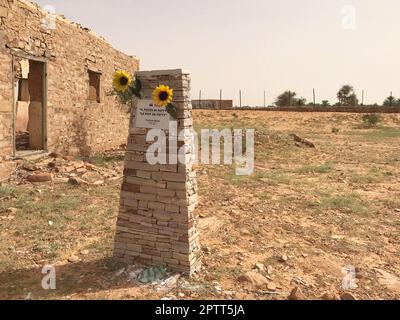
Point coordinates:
pixel 172 110
pixel 152 274
pixel 138 85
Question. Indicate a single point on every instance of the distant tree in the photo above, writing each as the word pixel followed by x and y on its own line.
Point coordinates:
pixel 391 101
pixel 325 103
pixel 347 96
pixel 301 102
pixel 288 98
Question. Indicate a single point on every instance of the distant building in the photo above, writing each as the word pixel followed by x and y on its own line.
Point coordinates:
pixel 212 104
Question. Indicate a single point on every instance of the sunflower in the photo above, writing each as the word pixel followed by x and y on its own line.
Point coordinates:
pixel 162 96
pixel 121 81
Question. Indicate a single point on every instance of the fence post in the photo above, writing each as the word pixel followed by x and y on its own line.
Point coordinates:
pixel 314 97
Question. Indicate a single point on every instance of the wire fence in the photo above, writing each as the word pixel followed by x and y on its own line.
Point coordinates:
pixel 292 100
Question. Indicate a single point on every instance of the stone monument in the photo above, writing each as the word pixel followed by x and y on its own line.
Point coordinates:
pixel 157 222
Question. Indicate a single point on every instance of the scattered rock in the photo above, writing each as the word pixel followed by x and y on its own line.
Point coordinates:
pixel 256 280
pixel 270 270
pixel 61 180
pixel 283 258
pixel 296 294
pixel 12 210
pixel 389 280
pixel 59 169
pixel 40 177
pixel 348 296
pixel 271 286
pixel 207 250
pixel 120 272
pixel 92 177
pixel 171 282
pixel 330 297
pixel 73 259
pixel 76 181
pixel 305 142
pixel 259 267
pixel 28 166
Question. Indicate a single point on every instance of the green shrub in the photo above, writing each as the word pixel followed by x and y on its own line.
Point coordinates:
pixel 371 120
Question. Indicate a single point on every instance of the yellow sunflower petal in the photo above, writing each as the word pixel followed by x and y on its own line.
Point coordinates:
pixel 162 95
pixel 121 81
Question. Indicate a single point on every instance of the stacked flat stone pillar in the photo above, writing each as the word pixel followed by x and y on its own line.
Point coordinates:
pixel 157 222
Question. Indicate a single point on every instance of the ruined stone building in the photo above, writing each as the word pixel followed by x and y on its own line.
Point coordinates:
pixel 55 80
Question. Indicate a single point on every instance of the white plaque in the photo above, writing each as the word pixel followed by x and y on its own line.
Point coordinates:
pixel 150 116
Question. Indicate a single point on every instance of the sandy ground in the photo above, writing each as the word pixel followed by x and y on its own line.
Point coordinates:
pixel 303 217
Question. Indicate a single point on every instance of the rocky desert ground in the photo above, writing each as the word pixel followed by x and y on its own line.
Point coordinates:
pixel 286 232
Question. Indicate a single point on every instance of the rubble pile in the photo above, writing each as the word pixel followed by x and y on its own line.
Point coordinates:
pixel 56 168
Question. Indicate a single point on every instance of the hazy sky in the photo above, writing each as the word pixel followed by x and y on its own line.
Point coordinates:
pixel 256 45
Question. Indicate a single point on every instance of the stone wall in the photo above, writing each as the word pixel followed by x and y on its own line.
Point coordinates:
pixel 212 104
pixel 358 109
pixel 157 222
pixel 75 124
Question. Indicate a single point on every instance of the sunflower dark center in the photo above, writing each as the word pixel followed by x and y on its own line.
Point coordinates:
pixel 123 81
pixel 163 95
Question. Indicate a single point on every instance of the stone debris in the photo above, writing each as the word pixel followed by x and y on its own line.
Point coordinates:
pixel 302 142
pixel 73 259
pixel 171 282
pixel 348 296
pixel 60 169
pixel 330 296
pixel 271 287
pixel 283 258
pixel 255 280
pixel 297 294
pixel 40 177
pixel 259 266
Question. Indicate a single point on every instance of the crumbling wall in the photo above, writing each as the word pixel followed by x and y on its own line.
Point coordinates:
pixel 75 124
pixel 212 104
pixel 6 92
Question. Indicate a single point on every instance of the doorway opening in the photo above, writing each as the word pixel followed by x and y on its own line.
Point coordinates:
pixel 30 104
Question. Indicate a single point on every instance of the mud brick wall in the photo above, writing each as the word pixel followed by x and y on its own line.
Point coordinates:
pixel 212 104
pixel 75 124
pixel 157 223
pixel 321 109
pixel 356 109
